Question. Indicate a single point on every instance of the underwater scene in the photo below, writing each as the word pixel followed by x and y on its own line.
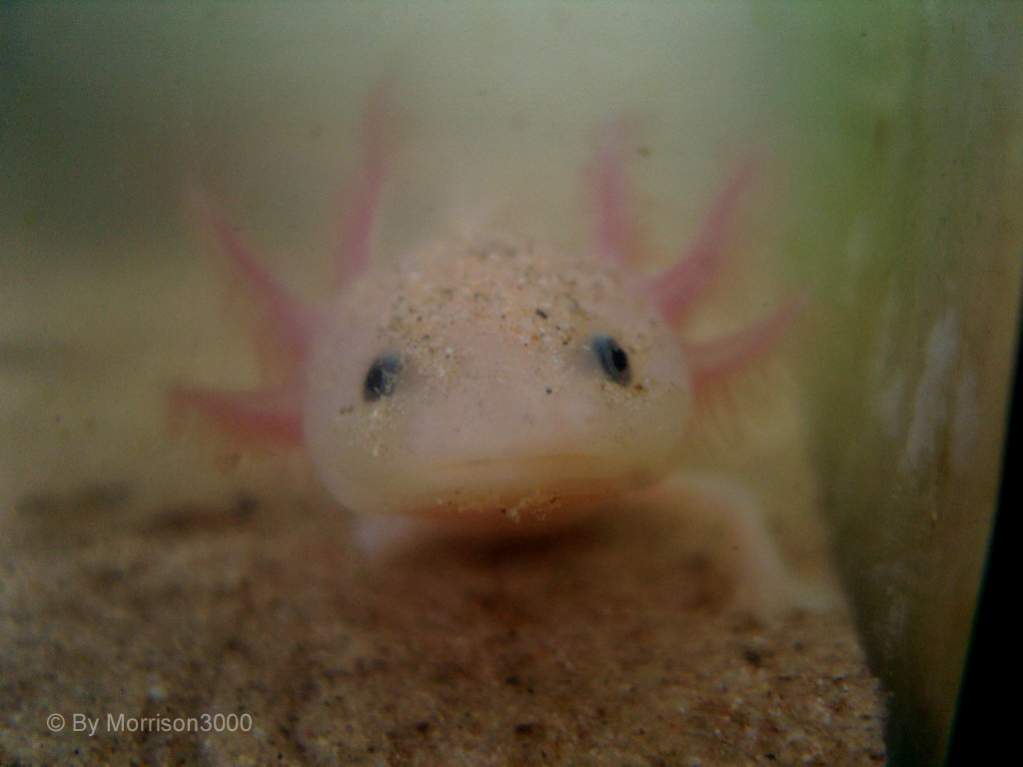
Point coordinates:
pixel 487 383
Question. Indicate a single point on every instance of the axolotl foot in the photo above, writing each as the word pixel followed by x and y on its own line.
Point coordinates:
pixel 764 584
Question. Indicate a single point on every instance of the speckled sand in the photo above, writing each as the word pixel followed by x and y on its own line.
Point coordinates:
pixel 605 646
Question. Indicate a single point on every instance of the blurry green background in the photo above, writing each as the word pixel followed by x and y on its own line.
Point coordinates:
pixel 894 133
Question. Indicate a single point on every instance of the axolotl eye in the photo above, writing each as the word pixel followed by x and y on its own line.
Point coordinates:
pixel 382 377
pixel 612 358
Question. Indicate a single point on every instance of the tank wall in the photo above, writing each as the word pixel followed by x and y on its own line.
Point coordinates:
pixel 907 220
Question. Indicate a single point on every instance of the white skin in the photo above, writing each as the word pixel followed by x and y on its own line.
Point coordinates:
pixel 494 384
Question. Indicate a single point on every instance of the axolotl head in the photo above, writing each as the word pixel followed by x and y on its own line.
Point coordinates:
pixel 494 380
pixel 489 382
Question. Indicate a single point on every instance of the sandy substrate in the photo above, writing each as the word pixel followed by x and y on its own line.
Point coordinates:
pixel 610 645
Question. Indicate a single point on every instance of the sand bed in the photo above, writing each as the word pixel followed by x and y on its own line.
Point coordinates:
pixel 611 645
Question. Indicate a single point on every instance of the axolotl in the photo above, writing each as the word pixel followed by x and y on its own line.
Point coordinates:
pixel 494 383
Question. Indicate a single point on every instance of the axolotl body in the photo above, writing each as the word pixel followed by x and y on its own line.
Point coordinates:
pixel 494 382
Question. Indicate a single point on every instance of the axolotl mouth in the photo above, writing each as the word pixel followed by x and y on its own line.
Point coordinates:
pixel 522 493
